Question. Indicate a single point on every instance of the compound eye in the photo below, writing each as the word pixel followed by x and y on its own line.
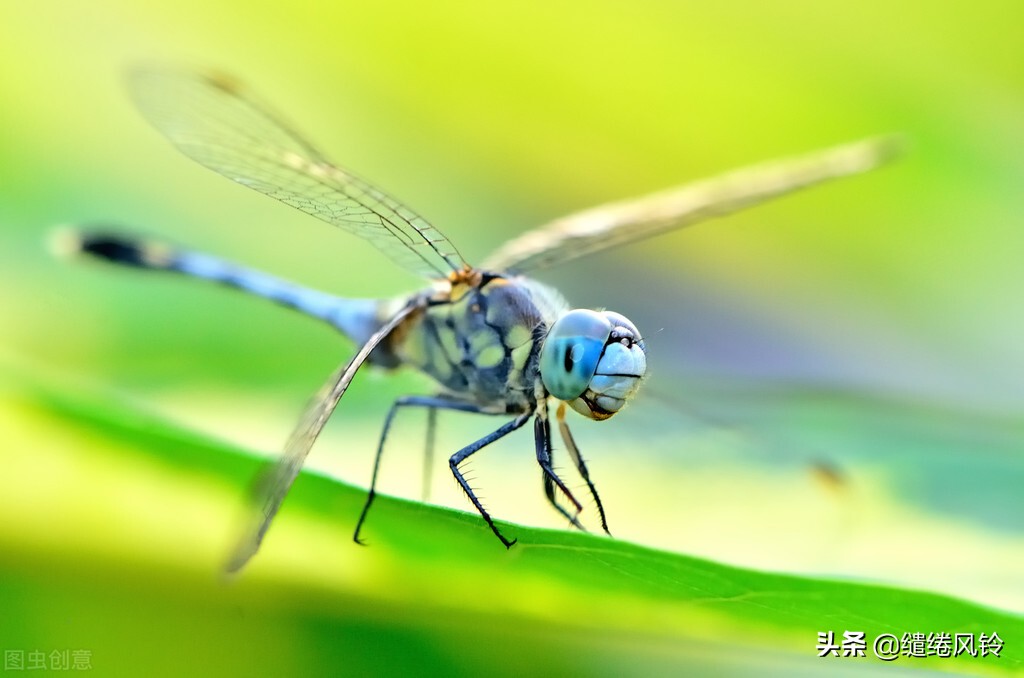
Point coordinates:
pixel 572 351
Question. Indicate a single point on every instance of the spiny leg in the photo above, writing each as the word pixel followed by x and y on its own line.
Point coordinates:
pixel 468 450
pixel 544 438
pixel 542 435
pixel 430 402
pixel 428 453
pixel 574 452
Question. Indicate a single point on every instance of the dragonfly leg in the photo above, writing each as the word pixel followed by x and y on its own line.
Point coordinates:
pixel 549 484
pixel 432 404
pixel 549 492
pixel 470 449
pixel 574 452
pixel 273 484
pixel 542 436
pixel 428 453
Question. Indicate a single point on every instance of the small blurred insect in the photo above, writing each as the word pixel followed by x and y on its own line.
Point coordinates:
pixel 496 342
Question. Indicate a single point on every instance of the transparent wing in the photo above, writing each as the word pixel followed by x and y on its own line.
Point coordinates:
pixel 274 483
pixel 619 223
pixel 221 125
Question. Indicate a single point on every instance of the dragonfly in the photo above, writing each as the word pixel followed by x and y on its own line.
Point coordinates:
pixel 494 340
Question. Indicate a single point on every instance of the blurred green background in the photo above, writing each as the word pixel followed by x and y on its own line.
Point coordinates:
pixel 836 377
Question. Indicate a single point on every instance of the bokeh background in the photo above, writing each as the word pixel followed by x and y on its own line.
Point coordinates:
pixel 836 379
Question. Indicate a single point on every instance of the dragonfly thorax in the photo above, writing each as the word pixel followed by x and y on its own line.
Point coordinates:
pixel 594 360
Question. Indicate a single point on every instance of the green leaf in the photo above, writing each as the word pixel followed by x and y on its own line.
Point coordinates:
pixel 115 523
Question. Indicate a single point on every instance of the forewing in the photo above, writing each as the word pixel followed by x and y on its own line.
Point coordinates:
pixel 219 124
pixel 274 483
pixel 620 223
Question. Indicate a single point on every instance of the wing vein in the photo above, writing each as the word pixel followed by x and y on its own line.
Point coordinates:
pixel 617 224
pixel 274 483
pixel 223 127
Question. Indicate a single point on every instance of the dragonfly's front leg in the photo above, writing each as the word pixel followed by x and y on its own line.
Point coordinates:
pixel 574 452
pixel 542 438
pixel 470 449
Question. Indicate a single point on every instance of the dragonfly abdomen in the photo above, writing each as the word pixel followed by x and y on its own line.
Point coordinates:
pixel 357 319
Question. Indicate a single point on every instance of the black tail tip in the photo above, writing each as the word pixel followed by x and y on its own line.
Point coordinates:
pixel 69 242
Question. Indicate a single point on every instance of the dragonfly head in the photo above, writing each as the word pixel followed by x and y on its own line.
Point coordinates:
pixel 594 360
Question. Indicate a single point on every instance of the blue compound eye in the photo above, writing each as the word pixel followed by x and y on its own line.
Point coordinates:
pixel 572 351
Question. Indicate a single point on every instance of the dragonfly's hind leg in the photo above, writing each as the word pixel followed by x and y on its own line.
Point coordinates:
pixel 432 403
pixel 574 452
pixel 428 453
